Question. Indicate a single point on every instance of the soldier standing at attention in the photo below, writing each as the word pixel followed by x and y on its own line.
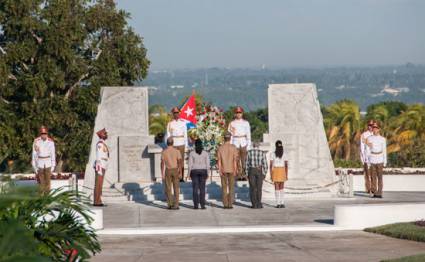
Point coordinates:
pixel 241 138
pixel 171 171
pixel 363 156
pixel 177 130
pixel 101 164
pixel 227 161
pixel 43 159
pixel 377 158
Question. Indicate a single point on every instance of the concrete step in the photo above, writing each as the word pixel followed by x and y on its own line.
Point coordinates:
pixel 162 197
pixel 125 192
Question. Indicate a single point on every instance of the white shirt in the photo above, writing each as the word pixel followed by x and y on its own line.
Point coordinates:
pixel 102 154
pixel 376 150
pixel 363 145
pixel 178 130
pixel 241 133
pixel 43 154
pixel 278 162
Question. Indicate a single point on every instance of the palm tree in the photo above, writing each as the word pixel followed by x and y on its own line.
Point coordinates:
pixel 158 119
pixel 408 128
pixel 37 227
pixel 343 127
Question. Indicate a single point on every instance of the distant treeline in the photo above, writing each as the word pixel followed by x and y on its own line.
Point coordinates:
pixel 248 87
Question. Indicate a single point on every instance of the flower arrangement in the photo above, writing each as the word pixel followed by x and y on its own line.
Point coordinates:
pixel 210 129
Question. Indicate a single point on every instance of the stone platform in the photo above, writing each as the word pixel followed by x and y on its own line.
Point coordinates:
pixel 142 192
pixel 151 214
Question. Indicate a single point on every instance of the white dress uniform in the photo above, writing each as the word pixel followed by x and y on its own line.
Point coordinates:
pixel 363 146
pixel 102 156
pixel 43 154
pixel 377 150
pixel 241 133
pixel 177 129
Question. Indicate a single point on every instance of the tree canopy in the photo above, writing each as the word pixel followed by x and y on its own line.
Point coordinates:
pixel 54 57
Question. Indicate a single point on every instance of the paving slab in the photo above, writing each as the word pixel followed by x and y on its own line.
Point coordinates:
pixel 155 214
pixel 316 246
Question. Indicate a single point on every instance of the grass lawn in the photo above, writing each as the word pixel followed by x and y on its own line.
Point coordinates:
pixel 408 231
pixel 417 258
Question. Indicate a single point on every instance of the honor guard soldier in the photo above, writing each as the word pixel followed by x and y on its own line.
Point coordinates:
pixel 377 159
pixel 177 130
pixel 101 165
pixel 363 156
pixel 43 159
pixel 241 138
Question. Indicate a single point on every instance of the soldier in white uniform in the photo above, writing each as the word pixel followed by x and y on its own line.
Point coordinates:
pixel 363 157
pixel 177 129
pixel 43 159
pixel 377 159
pixel 101 164
pixel 241 138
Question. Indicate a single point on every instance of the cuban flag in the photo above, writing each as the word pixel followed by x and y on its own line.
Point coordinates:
pixel 188 112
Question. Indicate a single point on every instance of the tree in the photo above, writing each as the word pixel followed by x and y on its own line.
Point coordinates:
pixel 54 57
pixel 408 130
pixel 158 119
pixel 394 108
pixel 343 128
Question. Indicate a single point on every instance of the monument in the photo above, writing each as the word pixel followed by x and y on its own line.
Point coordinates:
pixel 295 119
pixel 123 111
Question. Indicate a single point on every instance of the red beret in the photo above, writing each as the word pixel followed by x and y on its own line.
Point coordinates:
pixel 101 132
pixel 238 109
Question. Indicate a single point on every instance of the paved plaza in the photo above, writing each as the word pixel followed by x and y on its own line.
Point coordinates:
pixel 155 214
pixel 265 246
pixel 324 246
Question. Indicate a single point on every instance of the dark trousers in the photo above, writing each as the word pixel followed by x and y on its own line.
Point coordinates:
pixel 255 178
pixel 98 185
pixel 367 178
pixel 228 189
pixel 181 149
pixel 172 182
pixel 242 151
pixel 199 178
pixel 376 174
pixel 43 179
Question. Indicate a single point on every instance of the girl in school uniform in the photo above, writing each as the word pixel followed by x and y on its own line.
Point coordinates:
pixel 279 172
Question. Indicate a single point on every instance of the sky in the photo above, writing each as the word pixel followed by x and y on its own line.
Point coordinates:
pixel 279 33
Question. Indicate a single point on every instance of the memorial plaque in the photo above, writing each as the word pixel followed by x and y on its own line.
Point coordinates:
pixel 134 160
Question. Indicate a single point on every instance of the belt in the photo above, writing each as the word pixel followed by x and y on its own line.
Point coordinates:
pixel 376 153
pixel 256 167
pixel 43 157
pixel 239 136
pixel 104 159
pixel 178 136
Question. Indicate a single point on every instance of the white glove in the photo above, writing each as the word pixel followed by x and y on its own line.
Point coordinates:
pixel 97 167
pixel 52 169
pixel 35 169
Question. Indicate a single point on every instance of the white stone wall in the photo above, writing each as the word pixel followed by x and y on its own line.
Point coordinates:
pixel 296 119
pixel 123 111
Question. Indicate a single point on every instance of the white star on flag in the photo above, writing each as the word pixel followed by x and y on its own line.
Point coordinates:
pixel 188 111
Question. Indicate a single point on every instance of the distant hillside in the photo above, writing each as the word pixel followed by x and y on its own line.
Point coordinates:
pixel 248 87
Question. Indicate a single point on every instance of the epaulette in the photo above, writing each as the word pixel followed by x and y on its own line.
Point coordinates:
pixel 50 139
